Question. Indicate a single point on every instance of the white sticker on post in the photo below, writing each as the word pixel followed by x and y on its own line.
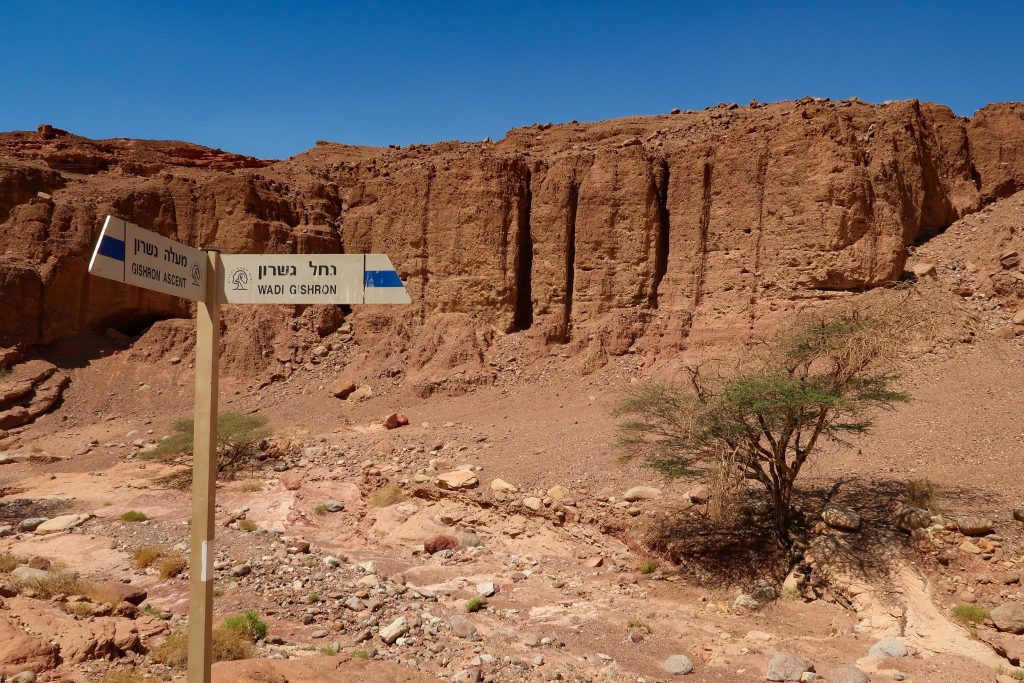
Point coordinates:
pixel 207 555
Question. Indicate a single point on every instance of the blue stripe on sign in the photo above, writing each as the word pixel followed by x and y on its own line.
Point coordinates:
pixel 112 247
pixel 381 278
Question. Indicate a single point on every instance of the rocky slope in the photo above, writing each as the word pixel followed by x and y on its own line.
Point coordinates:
pixel 643 234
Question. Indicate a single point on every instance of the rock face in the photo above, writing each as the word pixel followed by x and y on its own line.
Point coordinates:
pixel 643 232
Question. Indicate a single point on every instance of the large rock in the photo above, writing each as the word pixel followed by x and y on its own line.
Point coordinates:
pixel 840 517
pixel 462 627
pixel 26 573
pixel 888 647
pixel 456 480
pixel 641 493
pixel 974 526
pixel 20 651
pixel 846 674
pixel 787 667
pixel 1009 617
pixel 62 523
pixel 30 524
pixel 395 630
pixel 125 592
pixel 677 665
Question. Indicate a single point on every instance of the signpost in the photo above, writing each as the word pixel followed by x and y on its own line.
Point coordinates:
pixel 130 254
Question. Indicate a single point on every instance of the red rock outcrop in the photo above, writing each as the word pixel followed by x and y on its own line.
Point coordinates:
pixel 649 233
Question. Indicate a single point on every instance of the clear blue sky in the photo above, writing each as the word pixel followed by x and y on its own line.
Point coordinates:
pixel 271 78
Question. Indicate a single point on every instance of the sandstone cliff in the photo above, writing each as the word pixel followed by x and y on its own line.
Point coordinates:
pixel 650 233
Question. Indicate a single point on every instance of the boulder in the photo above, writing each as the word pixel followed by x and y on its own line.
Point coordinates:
pixel 462 627
pixel 1009 617
pixel 125 591
pixel 787 667
pixel 26 573
pixel 840 517
pixel 641 493
pixel 533 503
pixel 909 518
pixel 30 524
pixel 974 526
pixel 395 630
pixel 846 674
pixel 502 486
pixel 888 647
pixel 62 523
pixel 457 479
pixel 677 665
pixel 342 390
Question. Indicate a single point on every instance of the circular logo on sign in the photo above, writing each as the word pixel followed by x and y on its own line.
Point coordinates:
pixel 239 279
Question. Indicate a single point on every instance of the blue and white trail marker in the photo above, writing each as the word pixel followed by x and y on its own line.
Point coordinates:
pixel 130 254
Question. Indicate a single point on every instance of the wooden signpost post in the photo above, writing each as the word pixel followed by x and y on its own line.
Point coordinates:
pixel 130 254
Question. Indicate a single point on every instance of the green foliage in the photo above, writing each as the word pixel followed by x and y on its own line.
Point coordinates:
pixel 313 597
pixel 361 654
pixel 328 650
pixel 248 624
pixel 476 603
pixel 818 381
pixel 648 566
pixel 237 437
pixel 134 516
pixel 970 614
pixel 320 510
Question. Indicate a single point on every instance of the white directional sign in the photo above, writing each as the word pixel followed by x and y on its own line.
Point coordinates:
pixel 309 279
pixel 129 254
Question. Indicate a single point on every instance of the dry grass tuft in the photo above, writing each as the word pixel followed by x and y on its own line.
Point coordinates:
pixel 147 555
pixel 389 494
pixel 228 645
pixel 251 485
pixel 126 675
pixel 923 493
pixel 172 564
pixel 77 609
pixel 9 562
pixel 247 525
pixel 56 583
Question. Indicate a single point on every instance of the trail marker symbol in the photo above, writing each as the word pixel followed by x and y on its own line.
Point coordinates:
pixel 127 253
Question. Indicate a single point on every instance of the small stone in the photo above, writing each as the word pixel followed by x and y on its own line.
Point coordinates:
pixel 320 633
pixel 395 420
pixel 471 540
pixel 923 269
pixel 355 604
pixel 746 601
pixel 342 390
pixel 699 494
pixel 240 570
pixel 502 486
pixel 888 647
pixel 462 627
pixel 640 493
pixel 397 628
pixel 457 479
pixel 558 492
pixel 533 503
pixel 1009 617
pixel 678 665
pixel 6 530
pixel 910 518
pixel 486 588
pixel 334 506
pixel 787 667
pixel 61 523
pixel 974 526
pixel 332 561
pixel 23 677
pixel 840 517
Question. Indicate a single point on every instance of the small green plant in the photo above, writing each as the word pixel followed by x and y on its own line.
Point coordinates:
pixel 320 509
pixel 923 493
pixel 328 650
pixel 1015 674
pixel 152 611
pixel 476 603
pixel 389 494
pixel 248 624
pixel 313 597
pixel 238 436
pixel 134 516
pixel 9 562
pixel 639 624
pixel 247 525
pixel 361 654
pixel 970 614
pixel 648 566
pixel 218 592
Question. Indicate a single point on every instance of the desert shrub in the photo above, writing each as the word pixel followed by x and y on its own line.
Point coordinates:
pixel 147 555
pixel 238 437
pixel 476 603
pixel 639 624
pixel 247 624
pixel 228 645
pixel 361 654
pixel 389 494
pixel 172 564
pixel 134 516
pixel 56 583
pixel 648 566
pixel 10 562
pixel 313 597
pixel 77 609
pixel 247 525
pixel 328 650
pixel 101 595
pixel 970 614
pixel 821 380
pixel 251 485
pixel 320 509
pixel 923 493
pixel 439 542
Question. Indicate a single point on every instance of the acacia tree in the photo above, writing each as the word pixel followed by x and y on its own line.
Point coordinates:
pixel 820 381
